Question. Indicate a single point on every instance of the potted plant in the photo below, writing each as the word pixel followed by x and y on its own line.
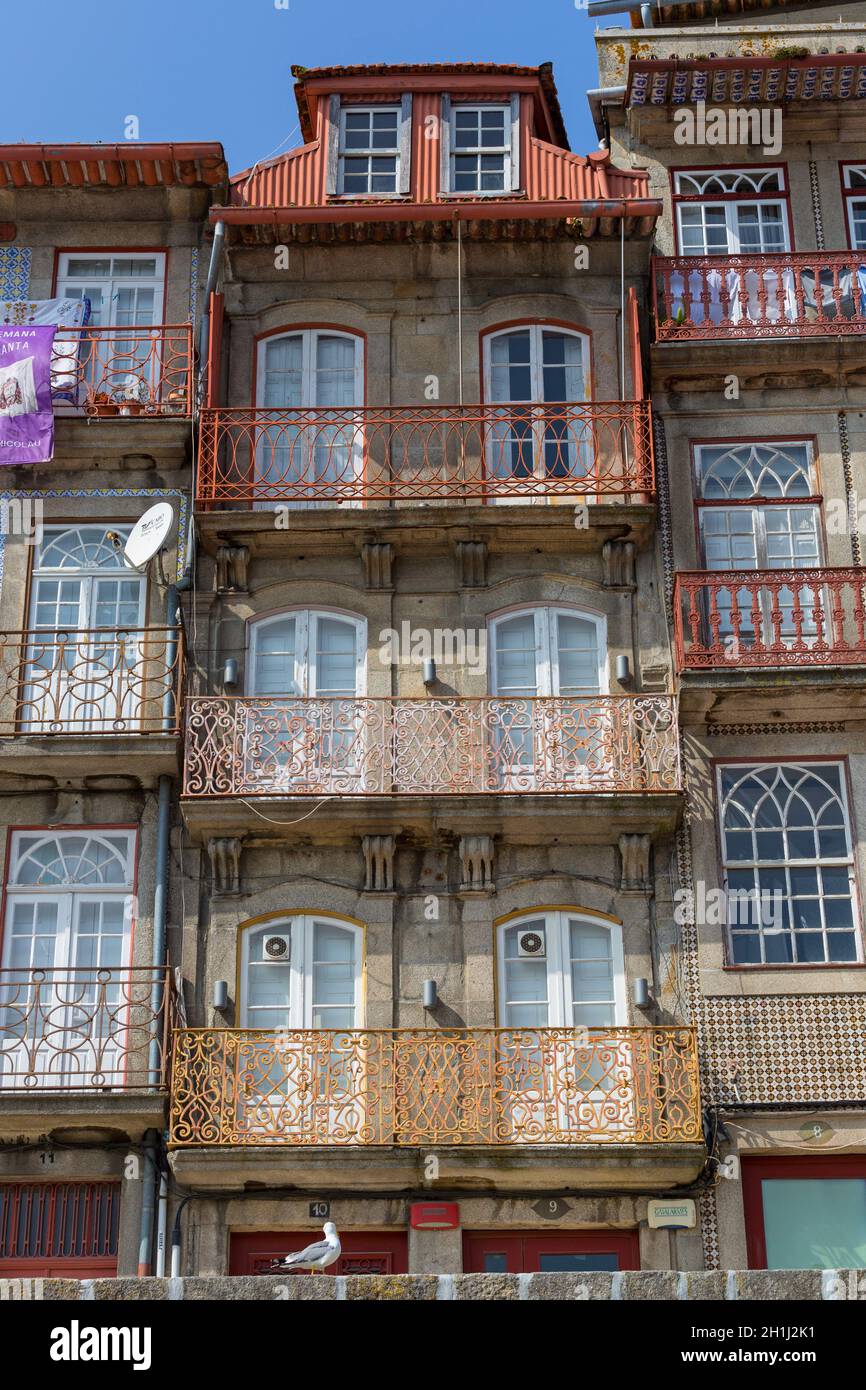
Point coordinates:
pixel 103 405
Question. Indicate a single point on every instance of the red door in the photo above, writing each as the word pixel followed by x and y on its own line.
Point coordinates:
pixel 560 1252
pixel 376 1252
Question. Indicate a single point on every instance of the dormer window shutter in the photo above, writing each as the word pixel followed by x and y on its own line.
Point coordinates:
pixel 445 145
pixel 405 142
pixel 515 141
pixel 333 168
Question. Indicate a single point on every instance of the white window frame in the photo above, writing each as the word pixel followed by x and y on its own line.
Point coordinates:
pixel 536 360
pixel 396 152
pixel 156 282
pixel 309 339
pixel 848 861
pixel 729 202
pixel 306 620
pixel 68 895
pixel 560 1005
pixel 854 194
pixel 546 618
pixel 508 151
pixel 300 927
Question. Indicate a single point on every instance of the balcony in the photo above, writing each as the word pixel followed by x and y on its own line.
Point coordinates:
pixel 128 372
pixel 771 619
pixel 111 689
pixel 364 747
pixel 85 1047
pixel 789 295
pixel 357 456
pixel 500 1104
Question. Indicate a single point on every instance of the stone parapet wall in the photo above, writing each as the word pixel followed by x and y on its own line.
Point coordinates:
pixel 632 1286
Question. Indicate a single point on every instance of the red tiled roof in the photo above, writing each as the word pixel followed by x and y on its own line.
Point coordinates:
pixel 129 164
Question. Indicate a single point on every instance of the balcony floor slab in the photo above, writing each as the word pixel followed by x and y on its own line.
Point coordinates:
pixel 436 526
pixel 101 761
pixel 758 696
pixel 536 1167
pixel 526 819
pixel 39 1113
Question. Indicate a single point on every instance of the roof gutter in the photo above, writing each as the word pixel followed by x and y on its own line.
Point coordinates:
pixel 440 212
pixel 598 98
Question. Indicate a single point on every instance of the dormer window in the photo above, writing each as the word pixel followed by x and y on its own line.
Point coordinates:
pixel 370 149
pixel 480 147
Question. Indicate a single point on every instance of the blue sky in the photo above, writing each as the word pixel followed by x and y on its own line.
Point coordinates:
pixel 219 69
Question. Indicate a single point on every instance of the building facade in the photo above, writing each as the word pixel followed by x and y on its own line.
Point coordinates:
pixel 497 889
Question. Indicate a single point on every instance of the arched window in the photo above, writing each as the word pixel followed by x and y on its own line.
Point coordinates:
pixel 302 971
pixel 536 369
pixel 320 372
pixel 68 901
pixel 548 651
pixel 307 652
pixel 561 968
pixel 789 864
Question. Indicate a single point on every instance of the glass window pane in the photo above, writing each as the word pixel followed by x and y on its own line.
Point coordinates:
pixel 815 1223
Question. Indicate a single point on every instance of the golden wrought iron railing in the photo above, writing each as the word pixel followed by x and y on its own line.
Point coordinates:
pixel 126 371
pixel 784 295
pixel 770 618
pixel 293 746
pixel 99 681
pixel 88 1029
pixel 358 454
pixel 479 1086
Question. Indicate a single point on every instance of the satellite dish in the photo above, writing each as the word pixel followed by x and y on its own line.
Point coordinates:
pixel 148 536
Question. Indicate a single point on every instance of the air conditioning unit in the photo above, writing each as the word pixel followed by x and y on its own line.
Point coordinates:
pixel 531 943
pixel 277 948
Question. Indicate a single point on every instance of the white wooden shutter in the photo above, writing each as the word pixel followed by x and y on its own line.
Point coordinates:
pixel 405 142
pixel 333 145
pixel 445 145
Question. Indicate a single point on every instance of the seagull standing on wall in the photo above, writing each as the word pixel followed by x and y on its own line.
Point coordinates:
pixel 316 1257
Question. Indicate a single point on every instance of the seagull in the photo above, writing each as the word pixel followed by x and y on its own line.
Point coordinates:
pixel 316 1257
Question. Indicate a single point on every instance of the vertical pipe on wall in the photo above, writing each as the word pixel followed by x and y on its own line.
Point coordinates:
pixel 148 1196
pixel 459 311
pixel 156 1062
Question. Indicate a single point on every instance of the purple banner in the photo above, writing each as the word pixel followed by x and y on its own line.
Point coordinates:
pixel 26 411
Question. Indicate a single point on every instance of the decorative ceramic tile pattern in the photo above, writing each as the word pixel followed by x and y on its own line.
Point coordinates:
pixel 15 272
pixel 783 1049
pixel 149 494
pixel 193 285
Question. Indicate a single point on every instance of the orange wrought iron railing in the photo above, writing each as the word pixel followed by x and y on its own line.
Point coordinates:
pixel 804 617
pixel 132 371
pixel 99 681
pixel 91 1029
pixel 475 453
pixel 358 746
pixel 786 295
pixel 448 1086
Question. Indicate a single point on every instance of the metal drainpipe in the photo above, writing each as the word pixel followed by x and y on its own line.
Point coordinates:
pixel 148 1198
pixel 213 270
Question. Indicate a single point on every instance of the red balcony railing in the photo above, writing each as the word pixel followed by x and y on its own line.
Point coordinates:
pixel 289 746
pixel 432 452
pixel 88 1029
pixel 789 295
pixel 805 617
pixel 102 681
pixel 124 371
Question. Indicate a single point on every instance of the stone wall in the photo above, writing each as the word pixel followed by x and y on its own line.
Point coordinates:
pixel 812 1285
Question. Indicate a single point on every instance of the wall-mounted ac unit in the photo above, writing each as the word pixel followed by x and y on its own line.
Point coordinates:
pixel 530 943
pixel 277 948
